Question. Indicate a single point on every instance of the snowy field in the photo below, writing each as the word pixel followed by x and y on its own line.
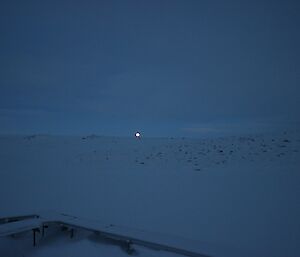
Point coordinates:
pixel 237 196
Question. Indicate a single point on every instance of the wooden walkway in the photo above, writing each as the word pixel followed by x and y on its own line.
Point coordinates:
pixel 129 236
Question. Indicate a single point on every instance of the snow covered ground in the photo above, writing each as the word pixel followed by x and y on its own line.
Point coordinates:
pixel 238 196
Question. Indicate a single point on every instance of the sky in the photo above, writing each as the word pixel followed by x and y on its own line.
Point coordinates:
pixel 165 68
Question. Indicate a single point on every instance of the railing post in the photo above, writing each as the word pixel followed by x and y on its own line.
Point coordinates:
pixel 33 231
pixel 34 235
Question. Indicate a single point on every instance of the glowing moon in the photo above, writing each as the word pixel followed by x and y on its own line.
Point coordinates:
pixel 137 134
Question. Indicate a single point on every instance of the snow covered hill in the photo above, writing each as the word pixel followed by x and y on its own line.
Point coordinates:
pixel 236 195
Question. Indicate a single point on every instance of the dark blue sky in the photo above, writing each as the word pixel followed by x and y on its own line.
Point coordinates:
pixel 178 67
